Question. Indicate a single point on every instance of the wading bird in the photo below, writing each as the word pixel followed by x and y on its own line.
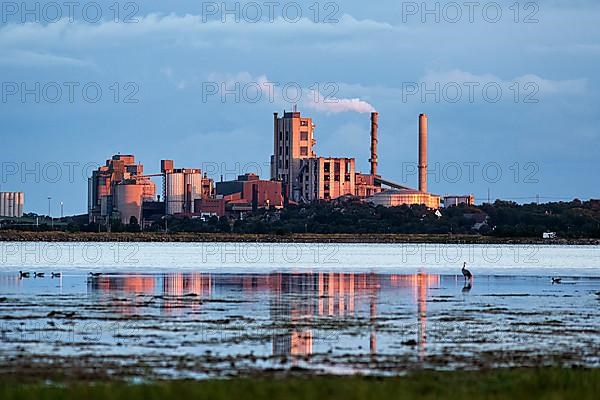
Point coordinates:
pixel 24 274
pixel 466 273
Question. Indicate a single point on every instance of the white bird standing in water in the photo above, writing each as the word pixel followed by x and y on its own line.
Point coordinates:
pixel 466 273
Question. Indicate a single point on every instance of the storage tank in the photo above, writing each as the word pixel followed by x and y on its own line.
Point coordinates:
pixel 21 204
pixel 12 204
pixel 129 201
pixel 175 192
pixel 193 180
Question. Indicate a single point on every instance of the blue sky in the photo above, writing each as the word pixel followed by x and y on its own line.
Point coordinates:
pixel 541 134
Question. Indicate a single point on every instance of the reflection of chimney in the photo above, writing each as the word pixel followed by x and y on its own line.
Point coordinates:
pixel 422 153
pixel 373 159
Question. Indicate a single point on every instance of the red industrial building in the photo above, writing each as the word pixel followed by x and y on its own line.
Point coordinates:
pixel 212 207
pixel 249 193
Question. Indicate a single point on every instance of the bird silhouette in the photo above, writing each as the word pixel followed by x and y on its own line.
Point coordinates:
pixel 38 274
pixel 466 273
pixel 95 274
pixel 556 280
pixel 56 274
pixel 24 274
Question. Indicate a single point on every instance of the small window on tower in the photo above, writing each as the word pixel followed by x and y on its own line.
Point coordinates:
pixel 303 151
pixel 304 135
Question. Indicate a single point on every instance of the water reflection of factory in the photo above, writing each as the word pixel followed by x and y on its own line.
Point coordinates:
pixel 296 300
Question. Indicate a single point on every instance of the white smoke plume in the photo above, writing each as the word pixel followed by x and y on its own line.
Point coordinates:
pixel 336 105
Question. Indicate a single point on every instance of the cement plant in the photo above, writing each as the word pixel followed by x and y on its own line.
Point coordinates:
pixel 121 190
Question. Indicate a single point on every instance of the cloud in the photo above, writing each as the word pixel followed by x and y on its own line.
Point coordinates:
pixel 27 58
pixel 185 29
pixel 529 83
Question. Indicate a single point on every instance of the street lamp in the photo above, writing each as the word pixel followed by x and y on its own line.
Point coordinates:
pixel 50 211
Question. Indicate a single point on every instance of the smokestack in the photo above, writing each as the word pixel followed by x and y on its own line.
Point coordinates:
pixel 422 153
pixel 373 159
pixel 188 199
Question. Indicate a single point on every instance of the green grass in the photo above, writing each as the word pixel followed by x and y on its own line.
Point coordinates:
pixel 495 384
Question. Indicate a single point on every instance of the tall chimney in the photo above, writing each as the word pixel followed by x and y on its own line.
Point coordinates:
pixel 373 159
pixel 422 153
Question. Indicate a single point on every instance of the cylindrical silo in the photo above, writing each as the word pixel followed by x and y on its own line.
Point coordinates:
pixel 175 192
pixel 129 201
pixel 2 206
pixel 193 180
pixel 20 204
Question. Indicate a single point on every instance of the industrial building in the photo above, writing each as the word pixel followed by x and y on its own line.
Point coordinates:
pixel 399 197
pixel 12 204
pixel 306 177
pixel 210 207
pixel 293 142
pixel 249 193
pixel 454 200
pixel 182 187
pixel 117 190
pixel 120 189
pixel 327 178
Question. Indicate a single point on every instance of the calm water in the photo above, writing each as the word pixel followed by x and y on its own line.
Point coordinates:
pixel 261 258
pixel 213 310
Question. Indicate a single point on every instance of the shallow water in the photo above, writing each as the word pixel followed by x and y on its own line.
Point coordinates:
pixel 220 309
pixel 200 324
pixel 263 258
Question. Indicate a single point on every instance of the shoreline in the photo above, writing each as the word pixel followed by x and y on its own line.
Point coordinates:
pixel 192 237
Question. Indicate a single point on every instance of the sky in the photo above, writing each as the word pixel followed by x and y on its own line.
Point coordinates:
pixel 510 89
